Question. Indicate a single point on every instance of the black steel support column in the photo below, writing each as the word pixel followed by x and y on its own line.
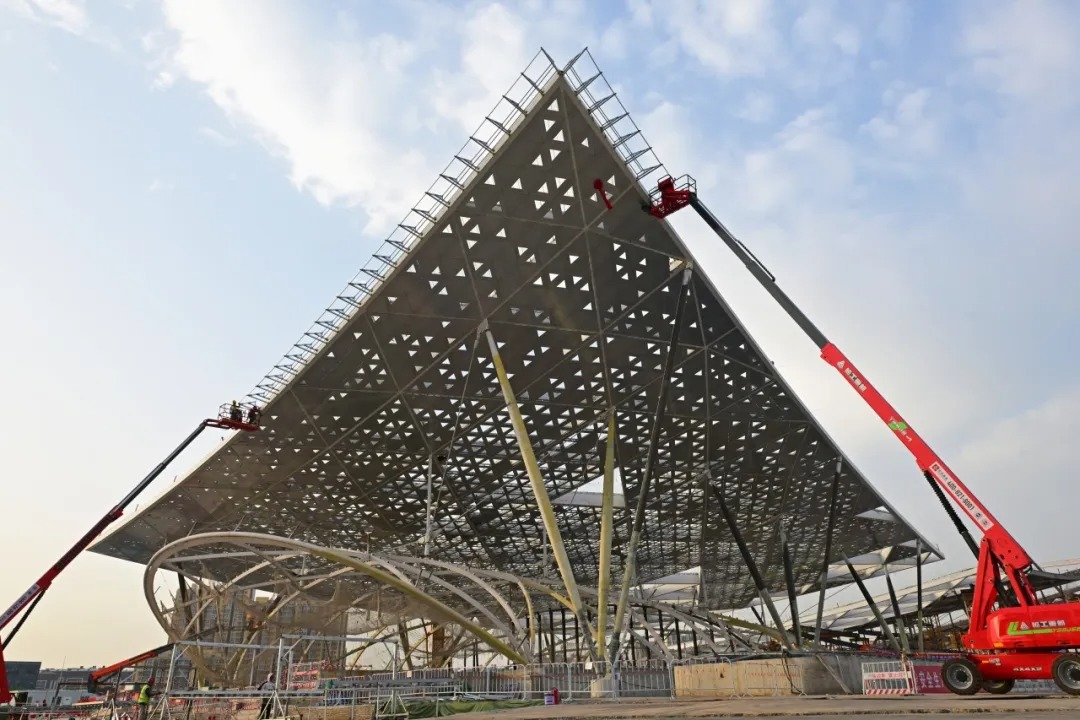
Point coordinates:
pixel 898 620
pixel 577 640
pixel 551 624
pixel 872 605
pixel 789 580
pixel 828 549
pixel 918 591
pixel 630 570
pixel 565 648
pixel 645 632
pixel 678 640
pixel 751 566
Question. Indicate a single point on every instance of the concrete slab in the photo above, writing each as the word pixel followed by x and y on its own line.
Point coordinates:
pixel 816 706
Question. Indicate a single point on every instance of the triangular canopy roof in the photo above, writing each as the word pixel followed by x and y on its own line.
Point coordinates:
pixel 581 300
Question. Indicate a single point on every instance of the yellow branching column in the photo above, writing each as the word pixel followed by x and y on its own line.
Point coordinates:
pixel 603 582
pixel 543 502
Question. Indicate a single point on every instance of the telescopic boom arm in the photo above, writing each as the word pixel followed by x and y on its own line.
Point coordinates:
pixel 35 591
pixel 671 197
pixel 99 676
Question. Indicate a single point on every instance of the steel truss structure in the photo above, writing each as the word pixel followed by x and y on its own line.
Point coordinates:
pixel 935 596
pixel 463 612
pixel 526 321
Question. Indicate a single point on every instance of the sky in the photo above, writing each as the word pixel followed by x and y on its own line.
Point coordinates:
pixel 185 185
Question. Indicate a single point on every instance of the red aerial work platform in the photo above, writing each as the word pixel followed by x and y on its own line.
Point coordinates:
pixel 230 417
pixel 1013 634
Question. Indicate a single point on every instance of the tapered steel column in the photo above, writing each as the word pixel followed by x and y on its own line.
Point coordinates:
pixel 828 550
pixel 789 580
pixel 873 606
pixel 650 464
pixel 543 502
pixel 751 566
pixel 603 582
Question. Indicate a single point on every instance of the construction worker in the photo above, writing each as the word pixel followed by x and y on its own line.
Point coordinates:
pixel 234 412
pixel 143 702
pixel 254 415
pixel 267 686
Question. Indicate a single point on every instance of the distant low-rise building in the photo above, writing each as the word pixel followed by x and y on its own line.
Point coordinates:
pixel 22 674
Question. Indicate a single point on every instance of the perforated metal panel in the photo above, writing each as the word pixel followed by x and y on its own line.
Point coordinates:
pixel 581 300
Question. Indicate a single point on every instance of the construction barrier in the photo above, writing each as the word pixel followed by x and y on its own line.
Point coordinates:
pixel 887 677
pixel 927 678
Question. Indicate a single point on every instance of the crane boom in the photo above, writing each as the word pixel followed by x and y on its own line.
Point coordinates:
pixel 225 420
pixel 1003 547
pixel 97 677
pixel 84 542
pixel 1011 635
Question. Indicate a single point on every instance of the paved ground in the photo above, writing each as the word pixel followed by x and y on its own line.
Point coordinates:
pixel 1045 715
pixel 822 708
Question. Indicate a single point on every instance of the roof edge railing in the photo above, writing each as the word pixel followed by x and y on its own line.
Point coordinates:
pixel 496 127
pixel 602 104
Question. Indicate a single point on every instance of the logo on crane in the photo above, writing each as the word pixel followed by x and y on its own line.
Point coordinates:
pixel 854 379
pixel 1038 627
pixel 946 480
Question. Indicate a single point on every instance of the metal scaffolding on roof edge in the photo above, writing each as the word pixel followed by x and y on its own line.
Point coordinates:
pixel 601 102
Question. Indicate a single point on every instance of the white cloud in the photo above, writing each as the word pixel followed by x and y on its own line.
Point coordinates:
pixel 493 52
pixel 732 39
pixel 68 15
pixel 158 185
pixel 895 23
pixel 757 106
pixel 354 115
pixel 323 106
pixel 216 137
pixel 906 124
pixel 819 26
pixel 1026 49
pixel 1025 464
pixel 71 16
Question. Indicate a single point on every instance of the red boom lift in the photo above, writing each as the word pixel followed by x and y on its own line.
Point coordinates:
pixel 1013 634
pixel 99 677
pixel 229 418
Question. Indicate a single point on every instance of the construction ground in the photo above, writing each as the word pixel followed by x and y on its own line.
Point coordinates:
pixel 824 707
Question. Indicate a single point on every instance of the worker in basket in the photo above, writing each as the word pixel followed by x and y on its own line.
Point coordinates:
pixel 234 412
pixel 254 415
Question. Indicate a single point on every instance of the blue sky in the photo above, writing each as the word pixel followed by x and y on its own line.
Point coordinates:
pixel 185 185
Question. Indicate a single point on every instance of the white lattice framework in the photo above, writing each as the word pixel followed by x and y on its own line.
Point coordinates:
pixel 580 298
